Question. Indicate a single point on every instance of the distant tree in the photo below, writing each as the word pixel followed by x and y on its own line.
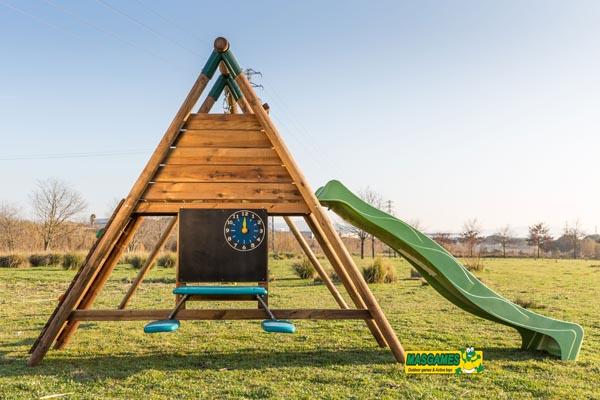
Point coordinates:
pixel 471 234
pixel 504 238
pixel 373 198
pixel 443 239
pixel 539 236
pixel 55 204
pixel 574 233
pixel 11 225
pixel 354 231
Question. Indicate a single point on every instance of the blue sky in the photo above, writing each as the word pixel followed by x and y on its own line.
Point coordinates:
pixel 453 110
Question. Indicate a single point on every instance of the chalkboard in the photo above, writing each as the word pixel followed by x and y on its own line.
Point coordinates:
pixel 208 253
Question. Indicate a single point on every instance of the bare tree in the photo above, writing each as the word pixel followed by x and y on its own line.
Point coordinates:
pixel 55 204
pixel 373 198
pixel 443 239
pixel 574 233
pixel 471 234
pixel 504 237
pixel 352 230
pixel 539 236
pixel 11 225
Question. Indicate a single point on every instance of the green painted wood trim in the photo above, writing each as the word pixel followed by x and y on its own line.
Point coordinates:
pixel 218 87
pixel 234 88
pixel 212 64
pixel 231 64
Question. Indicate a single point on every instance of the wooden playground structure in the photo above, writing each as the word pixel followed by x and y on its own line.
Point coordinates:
pixel 215 161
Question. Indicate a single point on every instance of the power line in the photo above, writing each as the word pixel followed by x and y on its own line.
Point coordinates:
pixel 112 34
pixel 172 22
pixel 107 153
pixel 148 28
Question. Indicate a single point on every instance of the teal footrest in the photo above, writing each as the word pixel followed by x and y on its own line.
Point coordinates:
pixel 164 325
pixel 278 326
pixel 220 290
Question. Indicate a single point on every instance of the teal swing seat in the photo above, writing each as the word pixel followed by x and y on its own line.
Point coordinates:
pixel 171 324
pixel 162 326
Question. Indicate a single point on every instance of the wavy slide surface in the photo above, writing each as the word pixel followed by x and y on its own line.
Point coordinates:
pixel 451 279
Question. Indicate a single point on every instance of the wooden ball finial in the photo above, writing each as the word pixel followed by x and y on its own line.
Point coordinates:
pixel 221 44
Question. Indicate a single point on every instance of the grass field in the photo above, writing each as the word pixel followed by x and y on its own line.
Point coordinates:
pixel 337 359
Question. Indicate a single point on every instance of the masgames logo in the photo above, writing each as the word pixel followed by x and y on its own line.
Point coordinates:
pixel 463 361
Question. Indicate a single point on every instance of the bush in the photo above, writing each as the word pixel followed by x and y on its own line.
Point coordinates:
pixel 304 269
pixel 380 272
pixel 527 303
pixel 13 261
pixel 136 260
pixel 167 260
pixel 72 260
pixel 474 264
pixel 43 259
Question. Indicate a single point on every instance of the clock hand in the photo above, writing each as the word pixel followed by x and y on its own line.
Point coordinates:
pixel 244 227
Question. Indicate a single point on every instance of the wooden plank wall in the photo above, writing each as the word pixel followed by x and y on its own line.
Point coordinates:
pixel 222 161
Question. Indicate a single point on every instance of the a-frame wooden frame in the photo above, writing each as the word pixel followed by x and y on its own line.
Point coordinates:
pixel 215 161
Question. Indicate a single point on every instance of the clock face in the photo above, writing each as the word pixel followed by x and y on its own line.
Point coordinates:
pixel 244 230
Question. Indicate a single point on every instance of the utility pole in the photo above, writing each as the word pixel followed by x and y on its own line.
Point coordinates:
pixel 273 234
pixel 390 210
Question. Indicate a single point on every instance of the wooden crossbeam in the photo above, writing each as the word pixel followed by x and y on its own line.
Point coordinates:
pixel 227 314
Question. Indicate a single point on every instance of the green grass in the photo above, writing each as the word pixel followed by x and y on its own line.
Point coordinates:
pixel 325 359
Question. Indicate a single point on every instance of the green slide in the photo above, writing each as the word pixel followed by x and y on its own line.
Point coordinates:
pixel 453 281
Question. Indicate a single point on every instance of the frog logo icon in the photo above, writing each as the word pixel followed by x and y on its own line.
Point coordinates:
pixel 471 361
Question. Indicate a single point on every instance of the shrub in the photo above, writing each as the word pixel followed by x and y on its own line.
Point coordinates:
pixel 527 303
pixel 13 261
pixel 380 272
pixel 43 259
pixel 304 269
pixel 167 260
pixel 55 259
pixel 72 260
pixel 136 260
pixel 474 264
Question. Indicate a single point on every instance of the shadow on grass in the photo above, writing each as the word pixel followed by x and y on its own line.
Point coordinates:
pixel 121 366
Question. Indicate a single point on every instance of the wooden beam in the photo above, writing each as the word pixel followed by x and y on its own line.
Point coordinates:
pixel 172 208
pixel 149 263
pixel 191 191
pixel 344 277
pixel 75 278
pixel 121 218
pixel 316 264
pixel 333 259
pixel 229 314
pixel 223 138
pixel 99 281
pixel 223 174
pixel 321 218
pixel 222 156
pixel 222 121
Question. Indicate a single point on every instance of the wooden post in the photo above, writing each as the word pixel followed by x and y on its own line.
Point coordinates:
pixel 321 218
pixel 149 262
pixel 343 275
pixel 121 218
pixel 99 281
pixel 315 262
